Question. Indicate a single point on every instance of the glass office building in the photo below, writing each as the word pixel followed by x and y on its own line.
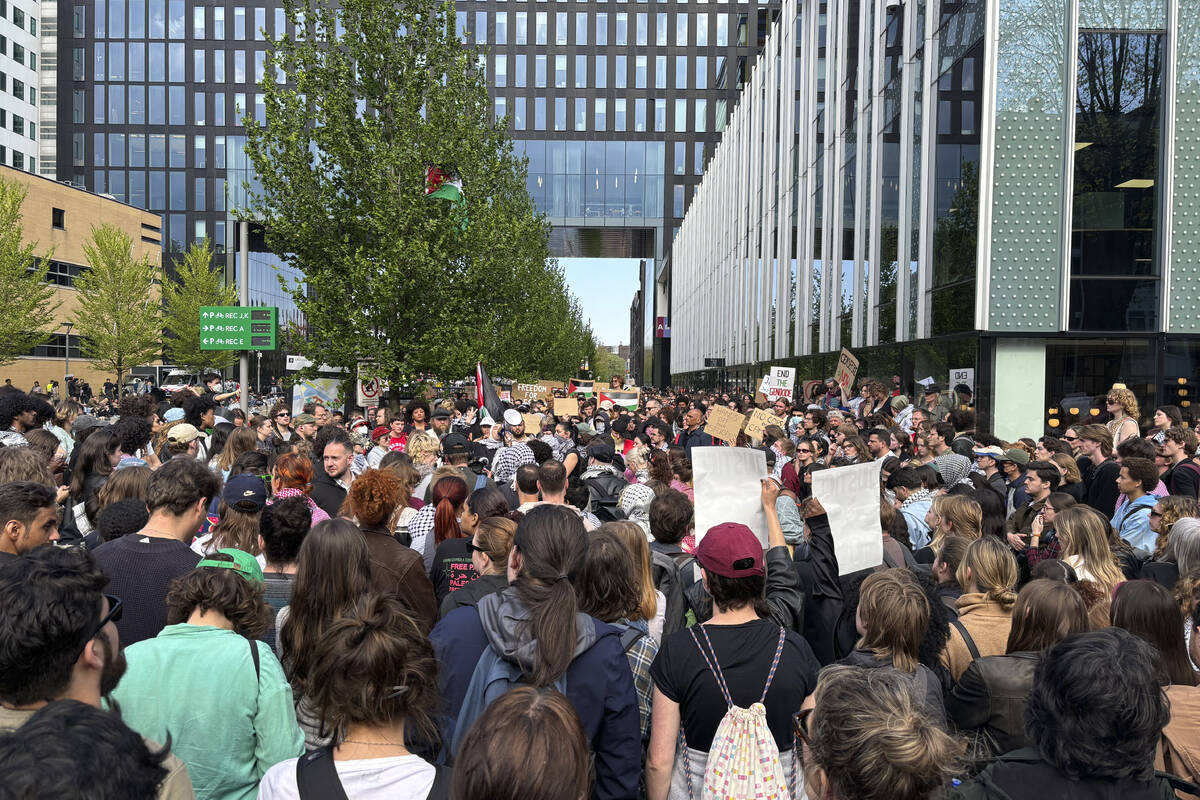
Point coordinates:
pixel 1005 191
pixel 616 104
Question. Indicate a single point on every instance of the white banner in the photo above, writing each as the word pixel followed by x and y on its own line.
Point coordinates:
pixel 850 496
pixel 369 391
pixel 728 487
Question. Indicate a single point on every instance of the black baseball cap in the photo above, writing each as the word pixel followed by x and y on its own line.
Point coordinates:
pixel 602 452
pixel 454 444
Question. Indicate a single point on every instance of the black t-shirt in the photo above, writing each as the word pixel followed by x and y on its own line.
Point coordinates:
pixel 452 568
pixel 744 654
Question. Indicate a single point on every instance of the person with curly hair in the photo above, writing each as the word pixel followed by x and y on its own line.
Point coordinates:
pixel 375 500
pixel 1123 406
pixel 227 707
pixel 1093 719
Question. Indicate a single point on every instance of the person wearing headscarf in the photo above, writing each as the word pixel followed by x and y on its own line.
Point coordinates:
pixel 508 460
pixel 635 502
pixel 953 469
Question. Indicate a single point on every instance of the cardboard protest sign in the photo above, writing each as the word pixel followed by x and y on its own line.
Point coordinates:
pixel 724 423
pixel 780 383
pixel 758 422
pixel 540 390
pixel 533 423
pixel 812 390
pixel 728 488
pixel 847 368
pixel 566 407
pixel 850 496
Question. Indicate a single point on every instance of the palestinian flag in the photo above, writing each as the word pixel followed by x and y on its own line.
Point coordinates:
pixel 485 393
pixel 443 186
pixel 585 388
pixel 625 399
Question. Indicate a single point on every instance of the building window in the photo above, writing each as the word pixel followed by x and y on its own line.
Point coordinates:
pixel 1114 252
pixel 58 218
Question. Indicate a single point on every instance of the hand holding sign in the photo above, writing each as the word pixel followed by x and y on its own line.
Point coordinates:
pixel 724 423
pixel 847 368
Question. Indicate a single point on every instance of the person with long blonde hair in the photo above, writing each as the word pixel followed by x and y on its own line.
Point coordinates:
pixel 988 576
pixel 1084 536
pixel 953 515
pixel 1123 405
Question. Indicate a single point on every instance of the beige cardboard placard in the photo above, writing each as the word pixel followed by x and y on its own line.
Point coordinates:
pixel 724 423
pixel 540 390
pixel 533 423
pixel 566 407
pixel 847 368
pixel 758 422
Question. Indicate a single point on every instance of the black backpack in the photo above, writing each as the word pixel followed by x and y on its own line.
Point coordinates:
pixel 317 778
pixel 604 496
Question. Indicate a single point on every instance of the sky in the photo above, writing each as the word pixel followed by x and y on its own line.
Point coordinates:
pixel 605 288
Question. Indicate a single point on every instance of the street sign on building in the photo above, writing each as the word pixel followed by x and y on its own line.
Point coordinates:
pixel 237 328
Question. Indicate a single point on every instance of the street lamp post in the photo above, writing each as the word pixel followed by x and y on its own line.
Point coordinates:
pixel 67 353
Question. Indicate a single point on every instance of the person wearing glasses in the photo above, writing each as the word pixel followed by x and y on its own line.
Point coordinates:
pixel 281 424
pixel 227 705
pixel 61 643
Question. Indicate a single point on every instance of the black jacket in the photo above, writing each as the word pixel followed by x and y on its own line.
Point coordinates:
pixel 1023 775
pixel 924 681
pixel 783 594
pixel 1100 487
pixel 989 701
pixel 697 438
pixel 326 493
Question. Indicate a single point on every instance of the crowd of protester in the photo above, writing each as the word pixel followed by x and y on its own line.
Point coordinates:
pixel 438 600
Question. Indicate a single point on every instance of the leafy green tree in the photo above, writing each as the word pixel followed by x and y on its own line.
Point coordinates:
pixel 119 316
pixel 196 285
pixel 27 302
pixel 378 93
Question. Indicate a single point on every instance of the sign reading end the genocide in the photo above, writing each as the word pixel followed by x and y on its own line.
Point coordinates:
pixel 779 384
pixel 237 328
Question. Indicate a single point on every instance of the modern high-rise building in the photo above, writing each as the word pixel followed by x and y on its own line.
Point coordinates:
pixel 1002 195
pixel 19 52
pixel 616 104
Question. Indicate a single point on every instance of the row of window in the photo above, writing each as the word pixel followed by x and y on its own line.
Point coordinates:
pixel 18 89
pixel 689 72
pixel 691 114
pixel 19 18
pixel 167 19
pixel 157 150
pixel 20 125
pixel 118 104
pixel 492 28
pixel 18 160
pixel 118 61
pixel 19 53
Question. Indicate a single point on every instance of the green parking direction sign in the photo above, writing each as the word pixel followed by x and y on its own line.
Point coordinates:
pixel 237 328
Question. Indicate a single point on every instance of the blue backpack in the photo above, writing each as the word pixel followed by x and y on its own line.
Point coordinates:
pixel 492 678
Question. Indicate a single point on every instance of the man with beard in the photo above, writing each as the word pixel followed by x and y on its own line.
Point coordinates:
pixel 61 643
pixel 28 518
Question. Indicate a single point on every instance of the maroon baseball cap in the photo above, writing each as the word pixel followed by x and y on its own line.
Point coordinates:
pixel 731 550
pixel 382 430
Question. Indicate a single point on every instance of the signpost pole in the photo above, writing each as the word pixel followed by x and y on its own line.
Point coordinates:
pixel 244 289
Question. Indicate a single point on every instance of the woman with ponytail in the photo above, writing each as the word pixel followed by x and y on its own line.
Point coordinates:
pixel 988 576
pixel 374 688
pixel 438 521
pixel 452 561
pixel 533 633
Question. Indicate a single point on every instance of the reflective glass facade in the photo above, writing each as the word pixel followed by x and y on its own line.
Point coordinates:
pixel 927 195
pixel 617 104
